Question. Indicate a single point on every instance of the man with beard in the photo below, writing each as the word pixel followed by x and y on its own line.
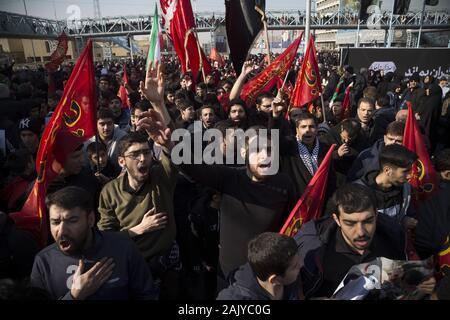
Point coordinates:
pixel 237 113
pixel 139 203
pixel 355 234
pixel 85 263
pixel 254 199
pixel 302 156
pixel 370 130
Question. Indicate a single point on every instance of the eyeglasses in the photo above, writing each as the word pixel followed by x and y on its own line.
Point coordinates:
pixel 135 155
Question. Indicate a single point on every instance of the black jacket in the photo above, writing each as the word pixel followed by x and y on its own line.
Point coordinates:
pixel 366 161
pixel 247 208
pixel 245 286
pixel 433 225
pixel 314 237
pixel 293 166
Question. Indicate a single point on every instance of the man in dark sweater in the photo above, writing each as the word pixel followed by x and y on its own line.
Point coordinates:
pixel 252 200
pixel 84 263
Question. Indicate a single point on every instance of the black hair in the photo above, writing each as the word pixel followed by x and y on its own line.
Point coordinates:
pixel 104 113
pixel 262 96
pixel 352 127
pixel 271 253
pixel 396 128
pixel 383 101
pixel 368 100
pixel 305 116
pixel 128 140
pixel 396 155
pixel 143 105
pixel 92 148
pixel 353 197
pixel 442 160
pixel 69 198
pixel 183 105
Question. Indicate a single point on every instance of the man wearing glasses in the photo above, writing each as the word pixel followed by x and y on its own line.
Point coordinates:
pixel 140 204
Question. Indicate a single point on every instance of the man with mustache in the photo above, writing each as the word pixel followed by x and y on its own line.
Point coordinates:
pixel 85 263
pixel 355 234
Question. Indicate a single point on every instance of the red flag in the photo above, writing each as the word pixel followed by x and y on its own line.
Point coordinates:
pixel 123 91
pixel 424 179
pixel 179 23
pixel 216 56
pixel 72 123
pixel 308 86
pixel 346 103
pixel 279 67
pixel 309 206
pixel 57 56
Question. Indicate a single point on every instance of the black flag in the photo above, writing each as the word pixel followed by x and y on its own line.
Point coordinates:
pixel 243 24
pixel 401 6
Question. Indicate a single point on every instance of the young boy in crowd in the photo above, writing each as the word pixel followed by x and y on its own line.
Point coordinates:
pixel 99 164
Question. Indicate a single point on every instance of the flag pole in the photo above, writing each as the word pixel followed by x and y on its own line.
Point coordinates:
pixel 266 32
pixel 323 109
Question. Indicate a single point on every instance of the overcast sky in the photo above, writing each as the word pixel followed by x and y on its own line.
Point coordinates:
pixel 58 8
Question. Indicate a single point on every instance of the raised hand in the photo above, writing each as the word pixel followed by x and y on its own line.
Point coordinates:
pixel 247 67
pixel 86 284
pixel 153 87
pixel 152 122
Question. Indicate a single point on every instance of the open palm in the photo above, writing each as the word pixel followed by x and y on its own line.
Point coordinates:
pixel 153 87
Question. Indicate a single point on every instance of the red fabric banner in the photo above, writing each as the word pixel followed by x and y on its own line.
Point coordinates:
pixel 72 123
pixel 308 85
pixel 179 23
pixel 310 204
pixel 57 56
pixel 424 178
pixel 279 67
pixel 123 95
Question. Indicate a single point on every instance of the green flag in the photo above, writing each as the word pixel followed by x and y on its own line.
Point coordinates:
pixel 154 51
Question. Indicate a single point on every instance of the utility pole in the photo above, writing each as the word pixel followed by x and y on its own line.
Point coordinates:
pixel 421 24
pixel 32 44
pixel 308 22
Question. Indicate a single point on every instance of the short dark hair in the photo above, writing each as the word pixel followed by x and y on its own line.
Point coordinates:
pixel 143 105
pixel 353 197
pixel 383 101
pixel 92 148
pixel 104 113
pixel 370 92
pixel 262 96
pixel 238 101
pixel 368 100
pixel 69 198
pixel 104 78
pixel 442 160
pixel 201 85
pixel 271 253
pixel 205 107
pixel 128 140
pixel 396 155
pixel 396 128
pixel 305 116
pixel 352 126
pixel 183 105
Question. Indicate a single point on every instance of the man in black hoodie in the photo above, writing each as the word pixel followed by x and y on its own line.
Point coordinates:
pixel 85 263
pixel 390 183
pixel 271 273
pixel 355 234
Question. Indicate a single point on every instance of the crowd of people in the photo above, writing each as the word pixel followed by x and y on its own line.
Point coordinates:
pixel 129 221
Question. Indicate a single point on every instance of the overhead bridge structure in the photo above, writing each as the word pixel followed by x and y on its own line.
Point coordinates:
pixel 22 26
